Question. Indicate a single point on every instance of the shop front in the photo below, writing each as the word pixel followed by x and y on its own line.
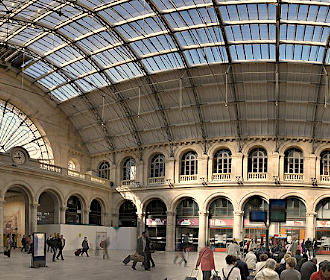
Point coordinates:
pixel 220 233
pixel 293 229
pixel 254 231
pixel 323 225
pixel 187 233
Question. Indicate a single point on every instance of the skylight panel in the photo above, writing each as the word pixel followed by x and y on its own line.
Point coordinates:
pixel 206 55
pixel 52 80
pixel 78 68
pixel 154 44
pixel 37 69
pixel 99 41
pixel 301 52
pixel 113 56
pixel 65 92
pixel 26 35
pixel 85 85
pixel 97 80
pixel 133 8
pixel 64 55
pixel 47 43
pixel 253 52
pixel 163 62
pixel 123 72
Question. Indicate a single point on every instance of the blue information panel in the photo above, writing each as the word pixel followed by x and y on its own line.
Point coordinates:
pixel 258 216
pixel 39 249
pixel 277 210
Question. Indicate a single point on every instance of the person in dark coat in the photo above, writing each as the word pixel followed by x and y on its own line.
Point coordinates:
pixel 308 268
pixel 308 246
pixel 85 247
pixel 314 247
pixel 54 245
pixel 61 244
pixel 23 243
pixel 302 261
pixel 243 268
pixel 143 249
pixel 298 256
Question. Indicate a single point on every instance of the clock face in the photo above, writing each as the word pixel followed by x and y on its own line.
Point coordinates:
pixel 19 157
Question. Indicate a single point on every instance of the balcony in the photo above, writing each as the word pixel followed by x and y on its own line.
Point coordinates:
pixel 188 178
pixel 221 177
pixel 128 182
pixel 325 178
pixel 293 177
pixel 74 173
pixel 156 181
pixel 257 176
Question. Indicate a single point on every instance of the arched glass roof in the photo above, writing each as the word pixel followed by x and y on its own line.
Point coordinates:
pixel 71 47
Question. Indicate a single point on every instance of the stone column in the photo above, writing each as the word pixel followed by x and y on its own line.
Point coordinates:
pixel 238 225
pixel 62 214
pixel 140 223
pixel 170 232
pixel 85 217
pixel 274 166
pixel 34 217
pixel 169 170
pixel 236 166
pixel 139 172
pixel 115 220
pixel 202 168
pixel 310 225
pixel 1 225
pixel 202 230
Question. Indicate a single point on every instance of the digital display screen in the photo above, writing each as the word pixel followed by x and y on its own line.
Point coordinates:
pixel 258 216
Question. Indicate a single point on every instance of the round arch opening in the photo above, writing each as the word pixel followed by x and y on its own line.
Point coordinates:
pixel 220 223
pixel 127 214
pixel 95 213
pixel 73 213
pixel 254 230
pixel 187 224
pixel 323 224
pixel 156 220
pixel 17 214
pixel 48 209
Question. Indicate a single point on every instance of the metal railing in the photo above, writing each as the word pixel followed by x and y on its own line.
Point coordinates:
pixel 221 176
pixel 188 178
pixel 156 180
pixel 74 173
pixel 127 182
pixel 257 175
pixel 51 168
pixel 294 177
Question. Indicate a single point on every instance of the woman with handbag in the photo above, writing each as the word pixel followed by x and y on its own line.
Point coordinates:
pixel 206 261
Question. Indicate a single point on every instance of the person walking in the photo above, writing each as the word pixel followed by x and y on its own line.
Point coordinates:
pixel 104 246
pixel 180 254
pixel 230 272
pixel 206 261
pixel 268 273
pixel 54 245
pixel 61 244
pixel 85 247
pixel 142 249
pixel 308 246
pixel 314 247
pixel 233 249
pixel 290 273
pixel 251 259
pixel 8 246
pixel 23 241
pixel 294 246
pixel 308 268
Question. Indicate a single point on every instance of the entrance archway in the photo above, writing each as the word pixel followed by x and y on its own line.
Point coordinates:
pixel 323 223
pixel 49 208
pixel 17 214
pixel 221 221
pixel 127 214
pixel 187 224
pixel 254 230
pixel 95 214
pixel 73 213
pixel 156 220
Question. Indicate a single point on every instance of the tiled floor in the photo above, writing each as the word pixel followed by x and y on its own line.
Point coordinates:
pixel 94 267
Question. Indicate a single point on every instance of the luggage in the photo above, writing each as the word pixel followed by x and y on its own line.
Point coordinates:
pixel 7 253
pixel 137 258
pixel 127 259
pixel 77 252
pixel 191 277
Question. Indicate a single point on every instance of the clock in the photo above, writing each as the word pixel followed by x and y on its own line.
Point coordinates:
pixel 19 155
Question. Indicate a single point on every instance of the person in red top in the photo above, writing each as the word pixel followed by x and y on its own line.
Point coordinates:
pixel 323 273
pixel 206 261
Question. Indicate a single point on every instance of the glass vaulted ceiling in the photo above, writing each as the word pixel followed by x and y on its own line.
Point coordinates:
pixel 73 47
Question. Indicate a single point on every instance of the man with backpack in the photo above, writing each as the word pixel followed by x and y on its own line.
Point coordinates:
pixel 230 272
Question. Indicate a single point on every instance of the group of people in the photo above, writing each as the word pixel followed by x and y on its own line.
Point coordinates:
pixel 285 266
pixel 56 244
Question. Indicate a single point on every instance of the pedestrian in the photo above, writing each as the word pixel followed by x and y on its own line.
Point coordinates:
pixel 308 268
pixel 294 246
pixel 308 246
pixel 268 273
pixel 302 261
pixel 8 246
pixel 61 244
pixel 48 243
pixel 180 254
pixel 298 256
pixel 251 259
pixel 261 265
pixel 142 249
pixel 282 265
pixel 233 249
pixel 230 272
pixel 290 273
pixel 243 268
pixel 54 245
pixel 323 273
pixel 151 250
pixel 104 246
pixel 206 261
pixel 314 247
pixel 85 246
pixel 23 241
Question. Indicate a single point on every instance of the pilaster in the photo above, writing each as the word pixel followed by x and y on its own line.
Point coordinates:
pixel 170 231
pixel 310 225
pixel 238 225
pixel 202 230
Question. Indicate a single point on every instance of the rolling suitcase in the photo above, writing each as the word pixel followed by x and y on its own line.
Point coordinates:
pixel 191 277
pixel 127 260
pixel 77 252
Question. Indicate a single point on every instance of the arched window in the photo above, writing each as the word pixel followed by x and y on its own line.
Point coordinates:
pixel 72 165
pixel 129 169
pixel 293 161
pixel 187 208
pixel 221 207
pixel 189 163
pixel 257 161
pixel 127 214
pixel 295 208
pixel 104 170
pixel 325 163
pixel 222 162
pixel 95 214
pixel 323 209
pixel 157 167
pixel 73 211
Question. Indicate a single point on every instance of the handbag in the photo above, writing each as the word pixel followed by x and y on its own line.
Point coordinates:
pixel 191 277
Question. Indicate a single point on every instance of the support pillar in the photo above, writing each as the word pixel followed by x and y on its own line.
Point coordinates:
pixel 310 225
pixel 85 217
pixel 115 220
pixel 34 217
pixel 170 231
pixel 140 224
pixel 62 214
pixel 1 225
pixel 238 225
pixel 202 230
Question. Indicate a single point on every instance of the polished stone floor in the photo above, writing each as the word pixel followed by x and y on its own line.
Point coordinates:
pixel 94 267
